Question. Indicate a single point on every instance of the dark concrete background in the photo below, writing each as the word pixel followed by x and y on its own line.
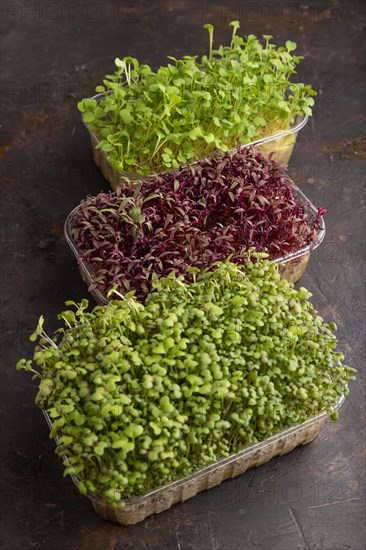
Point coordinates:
pixel 53 54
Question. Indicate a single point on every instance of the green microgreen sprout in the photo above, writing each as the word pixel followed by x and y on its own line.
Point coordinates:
pixel 149 121
pixel 143 394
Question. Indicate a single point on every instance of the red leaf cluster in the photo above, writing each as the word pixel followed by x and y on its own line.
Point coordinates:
pixel 204 213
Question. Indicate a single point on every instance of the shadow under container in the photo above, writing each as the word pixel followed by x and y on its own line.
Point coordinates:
pixel 280 143
pixel 291 266
pixel 136 509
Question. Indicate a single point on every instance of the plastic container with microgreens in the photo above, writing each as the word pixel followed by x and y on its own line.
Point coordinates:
pixel 279 145
pixel 192 218
pixel 153 402
pixel 143 122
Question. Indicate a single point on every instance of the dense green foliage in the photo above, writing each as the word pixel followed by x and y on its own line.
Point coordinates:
pixel 150 121
pixel 140 395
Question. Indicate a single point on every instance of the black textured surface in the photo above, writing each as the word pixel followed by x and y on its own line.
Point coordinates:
pixel 53 54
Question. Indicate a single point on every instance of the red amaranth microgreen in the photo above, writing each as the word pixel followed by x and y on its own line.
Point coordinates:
pixel 204 213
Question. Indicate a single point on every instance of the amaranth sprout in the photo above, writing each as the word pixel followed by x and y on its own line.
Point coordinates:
pixel 191 218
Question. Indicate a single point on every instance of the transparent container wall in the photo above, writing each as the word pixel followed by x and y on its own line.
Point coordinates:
pixel 291 266
pixel 136 509
pixel 293 269
pixel 281 144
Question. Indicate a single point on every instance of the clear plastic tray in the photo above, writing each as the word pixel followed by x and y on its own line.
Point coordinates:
pixel 292 266
pixel 281 144
pixel 136 509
